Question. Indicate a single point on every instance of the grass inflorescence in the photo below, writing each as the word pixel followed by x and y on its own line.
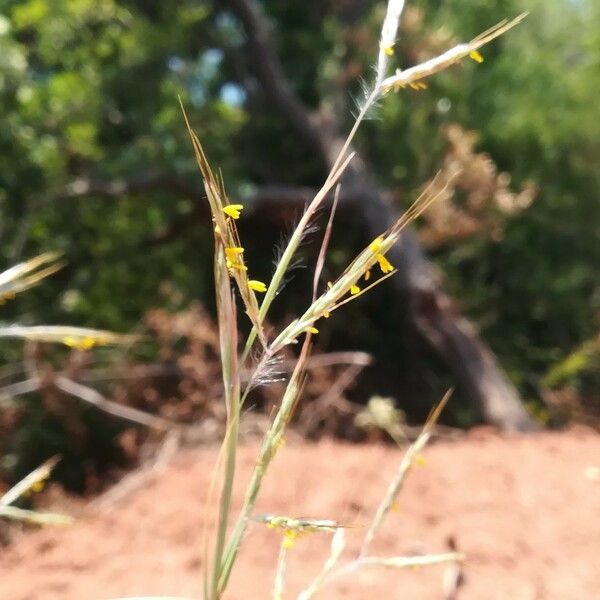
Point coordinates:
pixel 254 355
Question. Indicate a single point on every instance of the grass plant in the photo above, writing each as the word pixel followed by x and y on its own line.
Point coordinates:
pixel 232 277
pixel 255 354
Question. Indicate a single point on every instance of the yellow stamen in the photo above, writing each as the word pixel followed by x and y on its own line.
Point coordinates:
pixel 476 56
pixel 289 538
pixel 388 50
pixel 79 343
pixel 217 230
pixel 233 210
pixel 326 314
pixel 232 265
pixel 257 286
pixel 231 253
pixel 312 330
pixel 420 459
pixel 368 275
pixel 354 290
pixel 384 264
pixel 375 245
pixel 329 284
pixel 38 486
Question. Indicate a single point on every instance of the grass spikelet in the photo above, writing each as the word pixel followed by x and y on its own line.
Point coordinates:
pixel 81 338
pixel 26 274
pixel 32 482
pixel 411 76
pixel 411 455
pixel 224 215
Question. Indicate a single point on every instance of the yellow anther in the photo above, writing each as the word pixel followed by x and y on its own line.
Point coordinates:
pixel 231 253
pixel 375 245
pixel 476 56
pixel 384 264
pixel 38 486
pixel 233 210
pixel 257 286
pixel 79 343
pixel 388 50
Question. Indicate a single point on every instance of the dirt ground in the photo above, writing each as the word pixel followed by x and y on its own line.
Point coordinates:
pixel 525 511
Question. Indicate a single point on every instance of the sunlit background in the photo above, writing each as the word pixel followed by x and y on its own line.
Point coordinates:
pixel 95 163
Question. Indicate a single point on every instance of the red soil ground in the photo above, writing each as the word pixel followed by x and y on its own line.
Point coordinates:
pixel 525 511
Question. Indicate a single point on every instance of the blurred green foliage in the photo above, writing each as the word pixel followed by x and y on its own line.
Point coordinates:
pixel 88 99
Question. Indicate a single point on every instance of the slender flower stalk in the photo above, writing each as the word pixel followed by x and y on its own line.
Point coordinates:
pixel 410 457
pixel 271 443
pixel 280 572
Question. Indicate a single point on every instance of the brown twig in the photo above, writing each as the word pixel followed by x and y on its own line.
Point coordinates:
pixel 95 398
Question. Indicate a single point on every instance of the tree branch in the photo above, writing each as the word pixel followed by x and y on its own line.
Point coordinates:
pixel 270 75
pixel 275 200
pixel 135 186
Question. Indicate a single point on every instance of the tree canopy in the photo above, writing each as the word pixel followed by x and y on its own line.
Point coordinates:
pixel 95 163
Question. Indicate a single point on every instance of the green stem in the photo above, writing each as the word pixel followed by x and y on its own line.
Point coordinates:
pixel 280 573
pixel 231 386
pixel 225 505
pixel 267 452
